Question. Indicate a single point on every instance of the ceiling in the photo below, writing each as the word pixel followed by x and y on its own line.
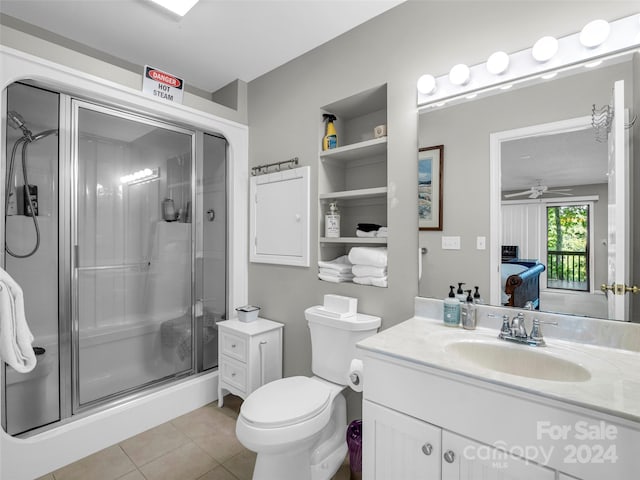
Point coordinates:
pixel 215 43
pixel 556 160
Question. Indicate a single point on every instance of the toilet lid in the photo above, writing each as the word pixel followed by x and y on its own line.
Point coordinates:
pixel 285 402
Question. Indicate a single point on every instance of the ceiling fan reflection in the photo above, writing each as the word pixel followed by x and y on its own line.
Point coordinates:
pixel 537 191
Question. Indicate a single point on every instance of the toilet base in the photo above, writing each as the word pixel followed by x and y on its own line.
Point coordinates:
pixel 294 466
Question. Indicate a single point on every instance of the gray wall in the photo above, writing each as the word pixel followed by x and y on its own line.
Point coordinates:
pixel 395 48
pixel 464 130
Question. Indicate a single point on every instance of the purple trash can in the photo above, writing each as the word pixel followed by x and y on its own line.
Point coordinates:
pixel 354 443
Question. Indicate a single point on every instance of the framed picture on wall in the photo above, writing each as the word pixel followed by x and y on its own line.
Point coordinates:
pixel 430 165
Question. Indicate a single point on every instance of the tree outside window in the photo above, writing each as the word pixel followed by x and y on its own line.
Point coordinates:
pixel 568 247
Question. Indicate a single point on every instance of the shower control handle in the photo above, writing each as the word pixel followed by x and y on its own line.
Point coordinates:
pixel 211 214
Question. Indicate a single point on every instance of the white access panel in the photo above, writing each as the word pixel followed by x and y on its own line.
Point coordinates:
pixel 279 217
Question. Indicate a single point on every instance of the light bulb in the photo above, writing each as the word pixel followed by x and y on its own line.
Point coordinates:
pixel 544 49
pixel 498 63
pixel 595 33
pixel 427 84
pixel 459 74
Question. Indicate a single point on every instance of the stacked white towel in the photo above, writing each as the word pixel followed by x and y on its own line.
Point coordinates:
pixel 15 336
pixel 337 270
pixel 369 265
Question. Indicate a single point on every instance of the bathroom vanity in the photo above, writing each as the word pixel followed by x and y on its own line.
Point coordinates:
pixel 448 403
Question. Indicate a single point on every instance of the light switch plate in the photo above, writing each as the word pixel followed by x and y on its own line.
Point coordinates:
pixel 481 243
pixel 451 243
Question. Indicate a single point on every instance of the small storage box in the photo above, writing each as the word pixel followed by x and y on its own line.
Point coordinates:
pixel 248 313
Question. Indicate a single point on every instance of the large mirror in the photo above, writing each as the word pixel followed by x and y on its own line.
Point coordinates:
pixel 529 162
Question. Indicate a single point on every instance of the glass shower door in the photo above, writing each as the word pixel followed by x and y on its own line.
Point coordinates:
pixel 132 321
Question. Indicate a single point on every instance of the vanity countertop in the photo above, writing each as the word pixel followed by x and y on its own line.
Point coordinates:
pixel 613 388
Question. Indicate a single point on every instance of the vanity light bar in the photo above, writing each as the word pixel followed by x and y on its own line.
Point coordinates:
pixel 140 176
pixel 566 52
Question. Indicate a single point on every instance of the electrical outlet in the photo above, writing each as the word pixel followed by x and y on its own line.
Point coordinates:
pixel 481 243
pixel 451 243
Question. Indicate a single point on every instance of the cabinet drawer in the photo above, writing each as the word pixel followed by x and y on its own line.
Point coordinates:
pixel 234 346
pixel 233 373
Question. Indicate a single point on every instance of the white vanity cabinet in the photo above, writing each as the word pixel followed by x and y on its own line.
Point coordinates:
pixel 400 446
pixel 250 356
pixel 425 422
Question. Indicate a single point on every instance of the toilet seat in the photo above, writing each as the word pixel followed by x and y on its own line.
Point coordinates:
pixel 285 402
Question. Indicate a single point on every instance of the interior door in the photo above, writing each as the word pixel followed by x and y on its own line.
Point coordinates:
pixel 618 201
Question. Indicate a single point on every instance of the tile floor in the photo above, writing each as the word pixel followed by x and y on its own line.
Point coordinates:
pixel 200 445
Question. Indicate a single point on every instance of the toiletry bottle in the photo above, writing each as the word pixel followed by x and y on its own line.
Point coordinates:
pixel 168 210
pixel 460 293
pixel 30 197
pixel 477 299
pixel 451 310
pixel 330 139
pixel 332 221
pixel 468 313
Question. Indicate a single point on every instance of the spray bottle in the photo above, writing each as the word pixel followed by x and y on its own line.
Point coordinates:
pixel 330 139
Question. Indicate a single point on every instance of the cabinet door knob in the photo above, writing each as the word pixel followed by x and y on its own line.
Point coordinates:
pixel 449 456
pixel 233 345
pixel 233 374
pixel 427 448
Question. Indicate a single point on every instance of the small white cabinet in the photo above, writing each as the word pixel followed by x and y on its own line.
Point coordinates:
pixel 250 356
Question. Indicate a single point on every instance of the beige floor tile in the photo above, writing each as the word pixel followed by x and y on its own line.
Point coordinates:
pixel 48 476
pixel 108 464
pixel 220 444
pixel 135 475
pixel 187 462
pixel 204 421
pixel 153 443
pixel 218 473
pixel 344 473
pixel 242 464
pixel 232 405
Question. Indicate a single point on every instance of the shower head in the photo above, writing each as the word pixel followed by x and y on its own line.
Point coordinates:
pixel 16 121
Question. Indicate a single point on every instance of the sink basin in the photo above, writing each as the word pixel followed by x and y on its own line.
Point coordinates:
pixel 518 360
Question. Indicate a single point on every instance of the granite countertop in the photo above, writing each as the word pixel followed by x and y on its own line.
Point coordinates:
pixel 613 387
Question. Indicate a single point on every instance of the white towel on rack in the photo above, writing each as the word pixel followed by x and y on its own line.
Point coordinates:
pixel 334 278
pixel 375 281
pixel 373 256
pixel 340 264
pixel 15 336
pixel 335 273
pixel 369 271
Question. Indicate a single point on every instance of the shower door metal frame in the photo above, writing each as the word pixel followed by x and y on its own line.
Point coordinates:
pixel 75 105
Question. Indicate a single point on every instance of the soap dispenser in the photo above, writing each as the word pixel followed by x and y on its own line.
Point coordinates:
pixel 451 312
pixel 468 313
pixel 460 293
pixel 477 299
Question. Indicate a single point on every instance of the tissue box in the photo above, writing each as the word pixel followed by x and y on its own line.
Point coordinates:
pixel 341 305
pixel 248 313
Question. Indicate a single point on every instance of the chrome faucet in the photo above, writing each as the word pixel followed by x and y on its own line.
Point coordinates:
pixel 516 331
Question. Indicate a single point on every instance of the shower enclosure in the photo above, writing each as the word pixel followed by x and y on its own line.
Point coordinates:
pixel 115 227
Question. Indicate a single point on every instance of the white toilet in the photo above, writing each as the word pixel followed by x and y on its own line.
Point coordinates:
pixel 297 425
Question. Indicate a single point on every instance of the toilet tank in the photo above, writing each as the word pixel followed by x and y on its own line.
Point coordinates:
pixel 333 341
